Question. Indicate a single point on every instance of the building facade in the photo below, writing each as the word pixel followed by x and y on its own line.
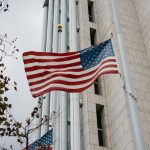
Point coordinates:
pixel 110 104
pixel 104 116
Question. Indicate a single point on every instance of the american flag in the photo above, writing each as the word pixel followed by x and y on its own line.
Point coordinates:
pixel 71 71
pixel 44 143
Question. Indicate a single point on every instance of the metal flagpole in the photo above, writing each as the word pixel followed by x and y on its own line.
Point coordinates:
pixel 43 48
pixel 133 110
pixel 55 99
pixel 46 102
pixel 74 98
pixel 63 95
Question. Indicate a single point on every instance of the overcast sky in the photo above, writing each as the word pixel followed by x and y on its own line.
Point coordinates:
pixel 24 21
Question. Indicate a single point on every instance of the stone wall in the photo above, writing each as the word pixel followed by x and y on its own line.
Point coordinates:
pixel 135 28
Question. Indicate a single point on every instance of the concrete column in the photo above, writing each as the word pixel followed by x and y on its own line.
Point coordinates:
pixel 43 48
pixel 63 95
pixel 55 98
pixel 46 102
pixel 74 98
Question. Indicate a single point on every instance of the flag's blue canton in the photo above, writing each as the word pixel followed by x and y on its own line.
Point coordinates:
pixel 45 140
pixel 92 56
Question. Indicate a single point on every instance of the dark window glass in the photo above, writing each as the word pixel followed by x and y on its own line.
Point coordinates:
pixel 96 87
pixel 100 137
pixel 90 10
pixel 93 36
pixel 99 110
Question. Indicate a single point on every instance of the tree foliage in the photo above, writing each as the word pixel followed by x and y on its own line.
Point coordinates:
pixel 9 126
pixel 7 48
pixel 5 81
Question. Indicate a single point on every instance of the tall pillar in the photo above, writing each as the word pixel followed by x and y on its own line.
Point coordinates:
pixel 46 102
pixel 43 48
pixel 55 99
pixel 63 95
pixel 74 98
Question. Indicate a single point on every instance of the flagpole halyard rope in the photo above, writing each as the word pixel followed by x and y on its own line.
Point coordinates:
pixel 131 94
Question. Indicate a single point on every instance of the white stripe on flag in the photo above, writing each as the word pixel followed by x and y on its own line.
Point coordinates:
pixel 70 79
pixel 31 56
pixel 72 86
pixel 51 63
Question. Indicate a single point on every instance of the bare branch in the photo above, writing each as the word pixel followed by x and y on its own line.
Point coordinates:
pixel 3 5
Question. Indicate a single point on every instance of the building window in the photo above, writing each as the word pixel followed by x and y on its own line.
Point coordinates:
pixel 91 10
pixel 93 42
pixel 93 36
pixel 69 136
pixel 96 87
pixel 99 111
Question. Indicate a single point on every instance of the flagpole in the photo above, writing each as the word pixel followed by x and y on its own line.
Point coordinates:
pixel 74 98
pixel 43 48
pixel 133 109
pixel 63 95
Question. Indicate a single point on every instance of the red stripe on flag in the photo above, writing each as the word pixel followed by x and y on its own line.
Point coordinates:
pixel 44 73
pixel 71 83
pixel 32 60
pixel 69 76
pixel 48 53
pixel 62 71
pixel 37 67
pixel 48 72
pixel 72 90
